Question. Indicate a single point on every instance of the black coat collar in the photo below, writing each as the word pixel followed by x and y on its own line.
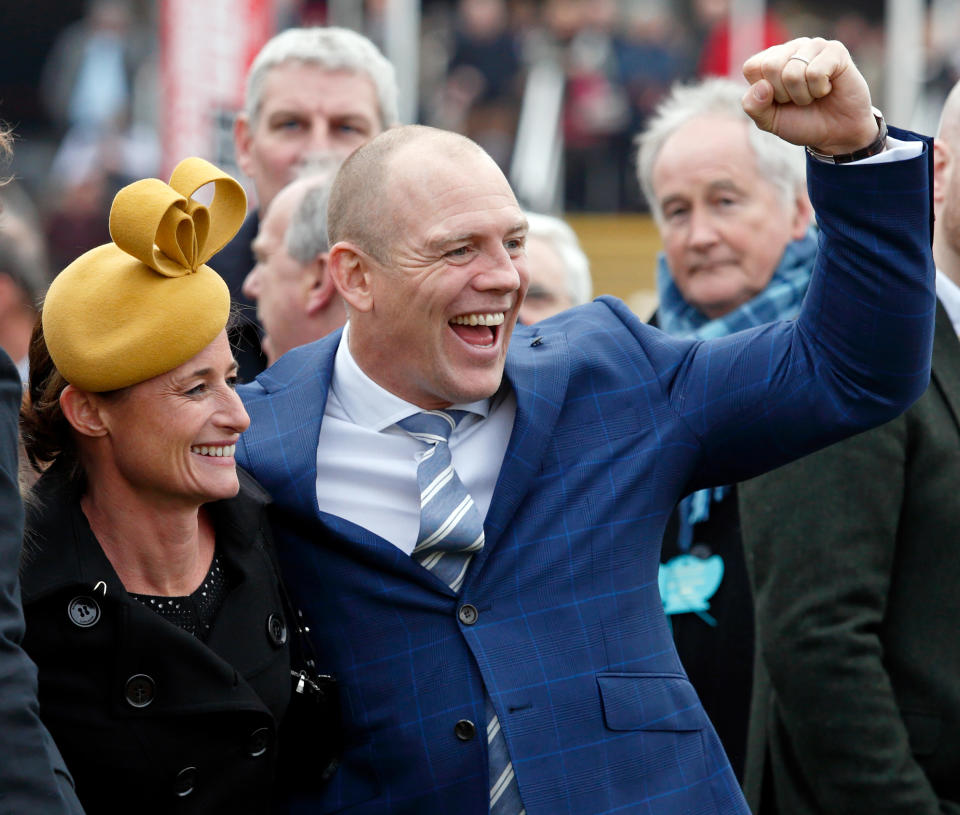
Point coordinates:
pixel 61 550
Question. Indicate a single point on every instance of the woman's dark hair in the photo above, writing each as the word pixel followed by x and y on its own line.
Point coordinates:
pixel 45 431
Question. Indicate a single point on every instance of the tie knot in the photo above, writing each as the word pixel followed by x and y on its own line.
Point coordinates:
pixel 432 426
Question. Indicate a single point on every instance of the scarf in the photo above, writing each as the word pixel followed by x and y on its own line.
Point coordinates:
pixel 780 300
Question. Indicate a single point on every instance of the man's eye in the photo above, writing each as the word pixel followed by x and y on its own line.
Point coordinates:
pixel 197 390
pixel 459 252
pixel 288 124
pixel 233 381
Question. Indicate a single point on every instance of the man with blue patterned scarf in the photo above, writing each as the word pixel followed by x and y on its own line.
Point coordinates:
pixel 739 249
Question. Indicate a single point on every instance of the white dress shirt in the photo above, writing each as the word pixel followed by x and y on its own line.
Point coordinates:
pixel 367 467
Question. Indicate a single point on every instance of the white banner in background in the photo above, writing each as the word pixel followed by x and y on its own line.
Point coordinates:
pixel 205 50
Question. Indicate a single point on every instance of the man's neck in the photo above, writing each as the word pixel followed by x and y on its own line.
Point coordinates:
pixel 946 257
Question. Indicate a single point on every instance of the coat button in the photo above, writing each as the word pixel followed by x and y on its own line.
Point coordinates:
pixel 185 781
pixel 465 730
pixel 140 690
pixel 258 742
pixel 468 614
pixel 83 611
pixel 277 630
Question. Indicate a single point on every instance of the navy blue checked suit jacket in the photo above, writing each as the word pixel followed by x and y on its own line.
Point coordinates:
pixel 615 422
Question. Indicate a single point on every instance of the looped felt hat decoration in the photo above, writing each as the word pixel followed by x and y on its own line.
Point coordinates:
pixel 143 305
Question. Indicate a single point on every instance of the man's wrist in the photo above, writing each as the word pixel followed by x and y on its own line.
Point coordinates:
pixel 878 145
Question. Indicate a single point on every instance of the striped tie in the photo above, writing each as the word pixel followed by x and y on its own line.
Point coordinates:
pixel 451 531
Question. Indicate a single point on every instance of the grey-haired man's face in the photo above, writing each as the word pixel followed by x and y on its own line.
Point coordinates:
pixel 306 112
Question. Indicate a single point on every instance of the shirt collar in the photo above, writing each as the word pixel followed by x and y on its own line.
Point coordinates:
pixel 367 404
pixel 949 294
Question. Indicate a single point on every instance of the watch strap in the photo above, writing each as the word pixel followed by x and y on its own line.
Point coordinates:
pixel 878 145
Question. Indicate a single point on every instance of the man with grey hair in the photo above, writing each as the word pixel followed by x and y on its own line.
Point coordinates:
pixel 294 292
pixel 853 556
pixel 311 93
pixel 559 269
pixel 739 249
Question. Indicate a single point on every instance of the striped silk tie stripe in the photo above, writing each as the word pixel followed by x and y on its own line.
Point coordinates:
pixel 451 531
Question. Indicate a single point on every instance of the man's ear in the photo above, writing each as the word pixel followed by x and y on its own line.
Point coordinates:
pixel 242 138
pixel 82 409
pixel 320 289
pixel 802 215
pixel 943 166
pixel 351 271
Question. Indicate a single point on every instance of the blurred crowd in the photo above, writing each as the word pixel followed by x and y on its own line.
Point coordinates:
pixel 92 122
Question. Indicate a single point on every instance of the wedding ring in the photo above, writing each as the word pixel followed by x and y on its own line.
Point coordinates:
pixel 804 60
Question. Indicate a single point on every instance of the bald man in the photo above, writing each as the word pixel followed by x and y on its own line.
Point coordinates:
pixel 855 561
pixel 290 284
pixel 470 512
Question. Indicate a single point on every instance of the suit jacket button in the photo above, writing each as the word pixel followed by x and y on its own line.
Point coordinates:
pixel 140 690
pixel 185 781
pixel 277 630
pixel 468 614
pixel 83 611
pixel 465 730
pixel 258 742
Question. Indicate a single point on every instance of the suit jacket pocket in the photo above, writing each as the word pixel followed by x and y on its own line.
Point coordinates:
pixel 640 701
pixel 662 756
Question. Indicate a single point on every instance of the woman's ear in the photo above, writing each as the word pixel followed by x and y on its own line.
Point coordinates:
pixel 82 409
pixel 350 269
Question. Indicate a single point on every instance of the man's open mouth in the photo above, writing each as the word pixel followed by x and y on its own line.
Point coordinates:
pixel 478 328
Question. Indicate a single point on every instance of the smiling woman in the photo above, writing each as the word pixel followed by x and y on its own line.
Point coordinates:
pixel 155 612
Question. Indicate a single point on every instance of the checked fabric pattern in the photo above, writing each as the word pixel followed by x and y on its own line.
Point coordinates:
pixel 451 531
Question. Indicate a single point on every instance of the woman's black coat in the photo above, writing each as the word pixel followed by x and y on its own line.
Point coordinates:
pixel 150 719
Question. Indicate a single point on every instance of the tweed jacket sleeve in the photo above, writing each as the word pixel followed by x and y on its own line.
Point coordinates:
pixel 851 552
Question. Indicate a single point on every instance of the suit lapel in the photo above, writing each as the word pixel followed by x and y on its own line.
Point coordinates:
pixel 945 369
pixel 381 555
pixel 538 369
pixel 295 416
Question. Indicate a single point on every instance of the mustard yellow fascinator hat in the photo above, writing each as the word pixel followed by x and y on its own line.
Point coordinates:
pixel 143 305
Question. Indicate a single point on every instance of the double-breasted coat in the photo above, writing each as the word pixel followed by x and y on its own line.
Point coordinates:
pixel 149 718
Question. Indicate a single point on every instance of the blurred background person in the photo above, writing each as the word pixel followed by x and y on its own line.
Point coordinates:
pixel 294 292
pixel 738 251
pixel 24 277
pixel 94 78
pixel 713 20
pixel 483 85
pixel 559 270
pixel 853 553
pixel 154 611
pixel 33 777
pixel 312 94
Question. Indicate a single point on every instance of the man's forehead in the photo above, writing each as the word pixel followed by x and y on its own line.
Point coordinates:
pixel 341 85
